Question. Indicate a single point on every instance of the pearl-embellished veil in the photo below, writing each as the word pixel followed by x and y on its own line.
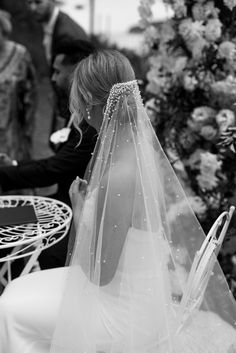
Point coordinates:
pixel 136 238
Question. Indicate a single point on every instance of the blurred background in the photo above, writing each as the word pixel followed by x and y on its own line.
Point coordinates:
pixel 116 21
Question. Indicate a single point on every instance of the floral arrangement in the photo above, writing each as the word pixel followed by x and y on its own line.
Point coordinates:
pixel 190 96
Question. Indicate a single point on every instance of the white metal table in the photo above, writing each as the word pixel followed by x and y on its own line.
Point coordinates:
pixel 28 240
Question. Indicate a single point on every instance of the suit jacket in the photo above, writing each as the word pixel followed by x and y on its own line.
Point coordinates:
pixel 62 168
pixel 66 29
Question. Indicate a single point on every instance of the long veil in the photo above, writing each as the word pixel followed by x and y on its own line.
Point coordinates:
pixel 136 239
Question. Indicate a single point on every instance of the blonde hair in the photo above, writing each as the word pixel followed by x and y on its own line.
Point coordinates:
pixel 5 23
pixel 94 77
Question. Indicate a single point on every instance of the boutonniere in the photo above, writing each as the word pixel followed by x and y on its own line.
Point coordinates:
pixel 62 135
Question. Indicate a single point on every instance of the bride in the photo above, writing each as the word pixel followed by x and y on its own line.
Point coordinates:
pixel 136 237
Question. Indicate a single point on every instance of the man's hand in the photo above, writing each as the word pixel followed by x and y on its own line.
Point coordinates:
pixel 5 160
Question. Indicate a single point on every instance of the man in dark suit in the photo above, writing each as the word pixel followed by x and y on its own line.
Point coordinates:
pixel 57 26
pixel 70 160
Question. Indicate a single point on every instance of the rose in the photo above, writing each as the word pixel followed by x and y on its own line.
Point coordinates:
pixel 200 116
pixel 198 206
pixel 210 10
pixel 214 200
pixel 187 139
pixel 189 81
pixel 208 132
pixel 145 11
pixel 194 159
pixel 230 4
pixel 198 12
pixel 167 32
pixel 191 31
pixel 213 30
pixel 151 34
pixel 156 85
pixel 205 79
pixel 197 47
pixel 179 8
pixel 207 183
pixel 209 163
pixel 224 119
pixel 226 50
pixel 157 80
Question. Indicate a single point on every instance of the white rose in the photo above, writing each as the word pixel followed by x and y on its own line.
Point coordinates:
pixel 224 119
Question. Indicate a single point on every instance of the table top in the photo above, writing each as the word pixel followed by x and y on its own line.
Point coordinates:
pixel 52 215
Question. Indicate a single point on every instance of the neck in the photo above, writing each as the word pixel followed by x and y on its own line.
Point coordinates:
pixel 49 14
pixel 97 117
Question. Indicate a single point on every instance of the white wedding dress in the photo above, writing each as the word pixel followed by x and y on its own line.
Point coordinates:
pixel 29 308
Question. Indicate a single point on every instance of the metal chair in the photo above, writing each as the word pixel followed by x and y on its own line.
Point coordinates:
pixel 202 266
